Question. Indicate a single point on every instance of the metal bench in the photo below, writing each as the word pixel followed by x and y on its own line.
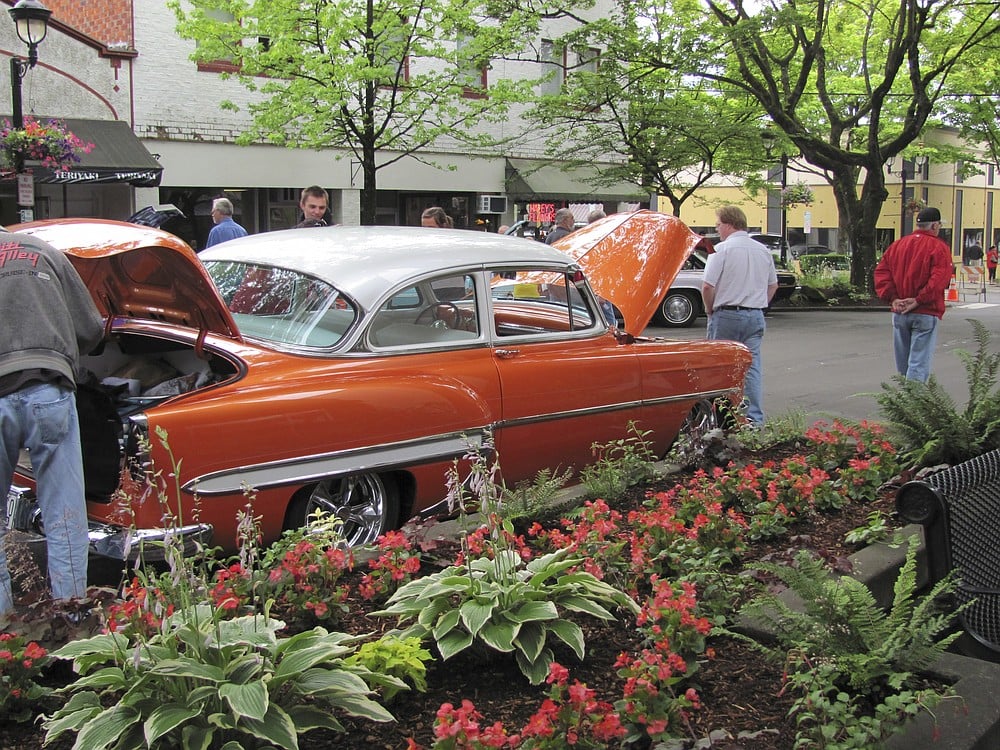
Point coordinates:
pixel 959 509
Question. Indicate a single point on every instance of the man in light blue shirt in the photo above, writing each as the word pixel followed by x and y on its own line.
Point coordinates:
pixel 740 280
pixel 225 228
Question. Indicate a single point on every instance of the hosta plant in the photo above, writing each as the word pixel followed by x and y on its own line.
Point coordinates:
pixel 202 682
pixel 506 604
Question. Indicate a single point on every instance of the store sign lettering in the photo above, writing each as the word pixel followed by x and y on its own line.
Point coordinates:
pixel 542 213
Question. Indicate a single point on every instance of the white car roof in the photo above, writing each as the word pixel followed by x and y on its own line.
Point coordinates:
pixel 365 262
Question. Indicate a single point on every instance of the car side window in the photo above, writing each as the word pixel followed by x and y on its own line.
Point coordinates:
pixel 439 310
pixel 535 302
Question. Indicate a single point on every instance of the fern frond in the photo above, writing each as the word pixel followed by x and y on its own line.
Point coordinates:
pixel 840 622
pixel 925 421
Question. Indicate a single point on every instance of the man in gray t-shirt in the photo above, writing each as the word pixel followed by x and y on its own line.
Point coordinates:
pixel 738 285
pixel 49 320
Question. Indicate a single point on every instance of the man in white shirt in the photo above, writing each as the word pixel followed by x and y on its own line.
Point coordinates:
pixel 738 285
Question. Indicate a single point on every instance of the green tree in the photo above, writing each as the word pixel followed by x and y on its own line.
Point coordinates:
pixel 384 80
pixel 668 136
pixel 849 83
pixel 978 116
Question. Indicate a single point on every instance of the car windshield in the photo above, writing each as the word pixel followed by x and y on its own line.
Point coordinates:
pixel 281 305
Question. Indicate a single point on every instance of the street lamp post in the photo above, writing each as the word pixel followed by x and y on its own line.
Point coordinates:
pixel 31 21
pixel 918 164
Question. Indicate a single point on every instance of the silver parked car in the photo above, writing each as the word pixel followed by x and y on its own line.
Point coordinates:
pixel 682 303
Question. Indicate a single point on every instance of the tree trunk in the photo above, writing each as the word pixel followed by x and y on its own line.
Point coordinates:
pixel 858 216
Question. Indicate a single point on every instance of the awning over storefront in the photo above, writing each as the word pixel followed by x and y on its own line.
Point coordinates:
pixel 536 180
pixel 117 156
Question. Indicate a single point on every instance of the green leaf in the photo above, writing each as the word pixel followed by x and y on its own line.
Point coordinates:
pixel 108 644
pixel 535 611
pixel 475 614
pixel 297 662
pixel 531 639
pixel 109 677
pixel 571 634
pixel 104 729
pixel 453 643
pixel 429 613
pixel 500 635
pixel 536 670
pixel 252 630
pixel 587 606
pixel 276 727
pixel 250 699
pixel 244 669
pixel 320 680
pixel 445 624
pixel 362 707
pixel 196 737
pixel 76 712
pixel 165 719
pixel 307 718
pixel 185 667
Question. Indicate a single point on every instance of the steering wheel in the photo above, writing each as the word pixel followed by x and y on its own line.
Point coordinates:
pixel 440 315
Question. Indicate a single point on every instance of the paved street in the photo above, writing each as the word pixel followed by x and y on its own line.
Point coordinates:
pixel 820 362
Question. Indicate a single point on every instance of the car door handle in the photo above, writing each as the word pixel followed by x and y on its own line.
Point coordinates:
pixel 507 353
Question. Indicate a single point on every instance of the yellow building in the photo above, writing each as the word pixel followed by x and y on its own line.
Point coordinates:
pixel 970 207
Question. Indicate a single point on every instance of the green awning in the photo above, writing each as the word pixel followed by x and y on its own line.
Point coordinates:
pixel 118 156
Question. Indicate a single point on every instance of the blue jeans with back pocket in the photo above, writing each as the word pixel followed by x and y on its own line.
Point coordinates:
pixel 42 417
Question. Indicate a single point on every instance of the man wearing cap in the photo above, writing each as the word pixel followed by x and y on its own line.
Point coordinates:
pixel 912 277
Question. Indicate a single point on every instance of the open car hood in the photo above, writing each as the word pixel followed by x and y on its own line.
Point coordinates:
pixel 138 272
pixel 631 259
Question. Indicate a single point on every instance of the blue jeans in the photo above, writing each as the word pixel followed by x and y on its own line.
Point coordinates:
pixel 913 339
pixel 42 418
pixel 747 327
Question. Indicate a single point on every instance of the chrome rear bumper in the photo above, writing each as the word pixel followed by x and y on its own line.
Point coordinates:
pixel 107 540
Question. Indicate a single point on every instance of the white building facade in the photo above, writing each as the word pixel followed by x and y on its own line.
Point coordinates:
pixel 139 73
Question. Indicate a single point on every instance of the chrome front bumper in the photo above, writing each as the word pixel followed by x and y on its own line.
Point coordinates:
pixel 106 540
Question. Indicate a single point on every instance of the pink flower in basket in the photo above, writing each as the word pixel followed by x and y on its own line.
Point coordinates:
pixel 50 143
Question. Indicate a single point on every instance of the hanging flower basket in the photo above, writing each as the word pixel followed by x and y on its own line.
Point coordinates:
pixel 795 194
pixel 915 206
pixel 50 143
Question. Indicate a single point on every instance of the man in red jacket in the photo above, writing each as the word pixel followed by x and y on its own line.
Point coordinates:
pixel 912 277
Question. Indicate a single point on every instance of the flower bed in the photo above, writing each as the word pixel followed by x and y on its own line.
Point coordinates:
pixel 676 547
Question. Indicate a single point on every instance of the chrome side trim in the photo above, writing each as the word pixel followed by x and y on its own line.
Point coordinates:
pixel 621 406
pixel 149 545
pixel 312 468
pixel 407 453
pixel 107 540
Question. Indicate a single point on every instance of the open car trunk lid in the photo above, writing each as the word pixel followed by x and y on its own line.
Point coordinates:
pixel 631 260
pixel 139 272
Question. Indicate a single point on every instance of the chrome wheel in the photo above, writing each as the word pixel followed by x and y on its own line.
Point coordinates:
pixel 703 418
pixel 678 310
pixel 367 504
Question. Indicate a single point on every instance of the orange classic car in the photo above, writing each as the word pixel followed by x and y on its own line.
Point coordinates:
pixel 344 369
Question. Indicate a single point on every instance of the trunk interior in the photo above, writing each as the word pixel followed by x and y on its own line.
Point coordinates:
pixel 132 374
